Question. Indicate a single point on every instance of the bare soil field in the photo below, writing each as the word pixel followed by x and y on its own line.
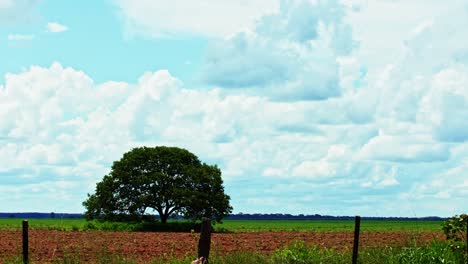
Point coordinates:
pixel 46 246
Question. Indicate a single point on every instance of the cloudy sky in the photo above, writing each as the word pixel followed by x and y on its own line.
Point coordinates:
pixel 330 107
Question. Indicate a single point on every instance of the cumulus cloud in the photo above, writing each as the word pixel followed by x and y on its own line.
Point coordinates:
pixel 289 55
pixel 445 106
pixel 448 187
pixel 336 161
pixel 214 18
pixel 300 113
pixel 55 27
pixel 380 177
pixel 404 149
pixel 47 127
pixel 314 169
pixel 59 139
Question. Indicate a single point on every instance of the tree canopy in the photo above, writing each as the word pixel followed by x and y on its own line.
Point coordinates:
pixel 168 180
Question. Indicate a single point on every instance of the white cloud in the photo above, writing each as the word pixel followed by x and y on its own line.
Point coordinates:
pixel 40 196
pixel 381 34
pixel 338 152
pixel 389 130
pixel 20 37
pixel 18 11
pixel 380 177
pixel 291 54
pixel 404 149
pixel 158 18
pixel 335 161
pixel 315 169
pixel 445 106
pixel 58 138
pixel 273 172
pixel 50 127
pixel 55 27
pixel 443 195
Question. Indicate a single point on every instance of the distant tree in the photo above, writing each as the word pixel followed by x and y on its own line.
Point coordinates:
pixel 168 180
pixel 52 215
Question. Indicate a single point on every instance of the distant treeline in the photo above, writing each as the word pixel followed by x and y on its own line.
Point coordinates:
pixel 240 216
pixel 40 215
pixel 321 217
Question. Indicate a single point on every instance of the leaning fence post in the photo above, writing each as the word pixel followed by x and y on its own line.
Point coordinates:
pixel 25 242
pixel 357 224
pixel 205 240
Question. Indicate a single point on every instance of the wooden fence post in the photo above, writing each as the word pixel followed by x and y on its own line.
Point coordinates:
pixel 205 240
pixel 25 242
pixel 357 225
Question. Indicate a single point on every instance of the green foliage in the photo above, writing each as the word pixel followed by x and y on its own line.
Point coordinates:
pixel 436 252
pixel 167 180
pixel 240 258
pixel 171 226
pixel 299 253
pixel 455 228
pixel 205 196
pixel 455 231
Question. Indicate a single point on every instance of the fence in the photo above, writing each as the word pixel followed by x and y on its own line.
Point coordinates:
pixel 205 240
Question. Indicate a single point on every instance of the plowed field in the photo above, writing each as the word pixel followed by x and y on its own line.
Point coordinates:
pixel 48 245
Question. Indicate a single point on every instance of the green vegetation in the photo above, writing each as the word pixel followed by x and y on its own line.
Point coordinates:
pixel 299 253
pixel 83 225
pixel 455 231
pixel 455 228
pixel 168 180
pixel 327 226
pixel 231 225
pixel 44 224
pixel 435 252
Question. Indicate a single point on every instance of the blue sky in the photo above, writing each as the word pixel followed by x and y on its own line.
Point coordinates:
pixel 330 107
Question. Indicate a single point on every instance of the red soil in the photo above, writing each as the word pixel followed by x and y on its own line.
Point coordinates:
pixel 48 245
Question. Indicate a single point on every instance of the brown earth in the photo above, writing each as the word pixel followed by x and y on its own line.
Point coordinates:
pixel 46 246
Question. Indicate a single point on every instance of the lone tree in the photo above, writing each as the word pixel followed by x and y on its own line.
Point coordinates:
pixel 168 180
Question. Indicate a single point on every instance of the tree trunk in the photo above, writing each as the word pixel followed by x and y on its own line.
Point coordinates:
pixel 163 218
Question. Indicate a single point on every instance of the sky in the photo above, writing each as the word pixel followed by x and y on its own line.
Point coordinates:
pixel 351 107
